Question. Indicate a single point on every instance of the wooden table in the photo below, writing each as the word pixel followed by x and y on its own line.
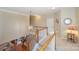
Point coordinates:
pixel 72 37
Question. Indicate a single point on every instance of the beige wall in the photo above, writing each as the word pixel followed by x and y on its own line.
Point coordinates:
pixel 67 13
pixel 38 21
pixel 12 26
pixel 57 23
pixel 77 16
pixel 1 25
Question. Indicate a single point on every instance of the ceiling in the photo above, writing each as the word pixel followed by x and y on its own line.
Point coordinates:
pixel 34 10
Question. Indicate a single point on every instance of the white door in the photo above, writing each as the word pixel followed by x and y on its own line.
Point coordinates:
pixel 50 25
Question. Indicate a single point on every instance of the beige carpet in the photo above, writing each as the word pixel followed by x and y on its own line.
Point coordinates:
pixel 64 45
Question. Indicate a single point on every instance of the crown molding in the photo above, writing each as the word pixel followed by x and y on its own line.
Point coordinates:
pixel 13 12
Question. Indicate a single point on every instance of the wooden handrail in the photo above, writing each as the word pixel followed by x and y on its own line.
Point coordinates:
pixel 41 27
pixel 45 45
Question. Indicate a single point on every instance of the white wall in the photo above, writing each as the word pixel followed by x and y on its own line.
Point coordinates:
pixel 67 13
pixel 12 26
